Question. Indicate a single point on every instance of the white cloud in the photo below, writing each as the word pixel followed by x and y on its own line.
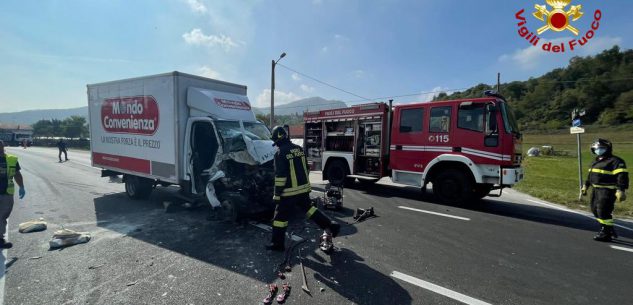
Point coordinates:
pixel 197 6
pixel 358 73
pixel 197 37
pixel 533 58
pixel 263 99
pixel 208 72
pixel 325 49
pixel 295 77
pixel 306 88
pixel 428 96
pixel 340 37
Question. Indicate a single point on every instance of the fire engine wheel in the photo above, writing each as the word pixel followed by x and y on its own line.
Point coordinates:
pixel 337 172
pixel 452 187
pixel 137 188
pixel 482 190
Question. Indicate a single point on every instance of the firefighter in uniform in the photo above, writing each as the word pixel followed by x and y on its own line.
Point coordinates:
pixel 292 187
pixel 609 178
pixel 9 172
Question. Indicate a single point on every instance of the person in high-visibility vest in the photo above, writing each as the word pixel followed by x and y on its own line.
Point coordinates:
pixel 292 187
pixel 9 171
pixel 609 178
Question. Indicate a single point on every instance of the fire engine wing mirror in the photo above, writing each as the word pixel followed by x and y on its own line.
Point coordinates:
pixel 492 131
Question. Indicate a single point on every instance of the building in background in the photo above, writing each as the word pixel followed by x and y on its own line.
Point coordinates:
pixel 16 134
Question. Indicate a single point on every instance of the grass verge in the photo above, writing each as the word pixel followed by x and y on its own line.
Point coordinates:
pixel 555 178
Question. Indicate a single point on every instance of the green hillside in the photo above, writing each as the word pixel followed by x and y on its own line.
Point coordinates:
pixel 601 84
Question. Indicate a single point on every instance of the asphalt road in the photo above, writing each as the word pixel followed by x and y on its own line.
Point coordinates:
pixel 509 250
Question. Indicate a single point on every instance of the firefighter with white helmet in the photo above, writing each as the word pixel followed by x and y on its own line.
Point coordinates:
pixel 609 178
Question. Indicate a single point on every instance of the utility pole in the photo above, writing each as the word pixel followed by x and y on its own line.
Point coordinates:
pixel 272 95
pixel 272 90
pixel 498 82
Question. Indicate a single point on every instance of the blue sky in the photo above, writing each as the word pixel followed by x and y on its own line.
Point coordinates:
pixel 49 50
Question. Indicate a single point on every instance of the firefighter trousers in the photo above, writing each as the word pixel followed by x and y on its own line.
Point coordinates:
pixel 602 204
pixel 282 212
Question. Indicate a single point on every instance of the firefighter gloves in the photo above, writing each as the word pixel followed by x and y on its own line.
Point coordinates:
pixel 620 196
pixel 583 191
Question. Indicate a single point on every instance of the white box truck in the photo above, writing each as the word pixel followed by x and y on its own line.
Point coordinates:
pixel 186 130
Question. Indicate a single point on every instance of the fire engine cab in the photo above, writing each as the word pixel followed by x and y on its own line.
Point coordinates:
pixel 464 148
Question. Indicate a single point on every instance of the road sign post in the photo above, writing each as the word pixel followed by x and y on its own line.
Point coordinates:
pixel 576 122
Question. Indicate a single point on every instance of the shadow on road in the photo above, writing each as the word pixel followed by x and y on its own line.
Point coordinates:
pixel 497 207
pixel 238 247
pixel 351 278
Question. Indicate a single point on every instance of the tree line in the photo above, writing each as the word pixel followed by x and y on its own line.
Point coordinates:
pixel 600 84
pixel 71 127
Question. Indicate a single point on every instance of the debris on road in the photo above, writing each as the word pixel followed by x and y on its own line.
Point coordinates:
pixel 66 237
pixel 272 290
pixel 32 226
pixel 35 257
pixel 131 283
pixel 96 267
pixel 285 292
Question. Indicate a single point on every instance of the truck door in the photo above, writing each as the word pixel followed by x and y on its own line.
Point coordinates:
pixel 407 134
pixel 201 150
pixel 470 129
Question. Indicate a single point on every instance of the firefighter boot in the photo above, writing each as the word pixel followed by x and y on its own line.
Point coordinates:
pixel 321 220
pixel 603 235
pixel 614 235
pixel 278 239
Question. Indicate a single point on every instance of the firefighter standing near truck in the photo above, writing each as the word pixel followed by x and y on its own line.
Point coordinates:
pixel 292 187
pixel 9 171
pixel 609 178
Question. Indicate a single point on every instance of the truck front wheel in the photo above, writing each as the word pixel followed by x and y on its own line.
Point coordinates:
pixel 452 187
pixel 482 190
pixel 137 187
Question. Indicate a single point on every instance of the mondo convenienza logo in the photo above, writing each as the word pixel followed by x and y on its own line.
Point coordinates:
pixel 134 115
pixel 557 16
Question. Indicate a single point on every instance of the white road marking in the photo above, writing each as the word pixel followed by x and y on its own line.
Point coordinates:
pixel 575 212
pixel 622 248
pixel 438 289
pixel 434 213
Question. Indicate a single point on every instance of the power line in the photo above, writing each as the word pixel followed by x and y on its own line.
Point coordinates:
pixel 324 83
pixel 378 98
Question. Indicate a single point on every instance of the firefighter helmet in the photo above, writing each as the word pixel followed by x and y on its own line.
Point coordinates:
pixel 279 134
pixel 601 143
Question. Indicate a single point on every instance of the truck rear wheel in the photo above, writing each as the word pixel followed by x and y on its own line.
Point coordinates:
pixel 452 187
pixel 137 188
pixel 337 172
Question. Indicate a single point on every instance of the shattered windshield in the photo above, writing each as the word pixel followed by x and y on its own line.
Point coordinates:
pixel 256 131
pixel 231 135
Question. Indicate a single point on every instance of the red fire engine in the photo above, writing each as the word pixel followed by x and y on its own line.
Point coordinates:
pixel 464 148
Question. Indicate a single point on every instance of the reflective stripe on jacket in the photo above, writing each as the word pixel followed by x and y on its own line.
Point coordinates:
pixel 12 162
pixel 608 172
pixel 291 171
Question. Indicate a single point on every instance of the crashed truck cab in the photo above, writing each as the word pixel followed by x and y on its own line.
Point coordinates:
pixel 229 153
pixel 180 129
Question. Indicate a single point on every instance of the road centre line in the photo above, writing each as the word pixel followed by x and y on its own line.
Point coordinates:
pixel 575 212
pixel 622 248
pixel 435 213
pixel 438 289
